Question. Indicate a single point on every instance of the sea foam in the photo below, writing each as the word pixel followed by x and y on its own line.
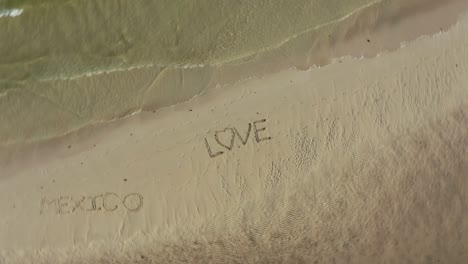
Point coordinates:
pixel 10 12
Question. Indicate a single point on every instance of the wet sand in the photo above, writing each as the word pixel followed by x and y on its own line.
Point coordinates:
pixel 363 160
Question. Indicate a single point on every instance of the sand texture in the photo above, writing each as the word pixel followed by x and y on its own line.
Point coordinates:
pixel 364 160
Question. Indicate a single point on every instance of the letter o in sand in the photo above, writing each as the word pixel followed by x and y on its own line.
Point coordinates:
pixel 105 204
pixel 133 202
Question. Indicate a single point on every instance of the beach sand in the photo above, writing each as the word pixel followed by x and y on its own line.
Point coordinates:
pixel 362 160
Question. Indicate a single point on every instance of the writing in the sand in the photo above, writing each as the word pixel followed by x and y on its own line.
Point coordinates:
pixel 223 140
pixel 106 202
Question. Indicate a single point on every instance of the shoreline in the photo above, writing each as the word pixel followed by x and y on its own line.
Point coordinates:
pixel 164 89
pixel 93 133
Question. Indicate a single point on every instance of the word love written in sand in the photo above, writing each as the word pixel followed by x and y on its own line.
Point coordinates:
pixel 107 202
pixel 225 138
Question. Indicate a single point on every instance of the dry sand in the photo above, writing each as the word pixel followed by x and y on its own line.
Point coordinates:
pixel 360 161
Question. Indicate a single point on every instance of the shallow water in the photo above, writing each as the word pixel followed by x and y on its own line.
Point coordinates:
pixel 64 39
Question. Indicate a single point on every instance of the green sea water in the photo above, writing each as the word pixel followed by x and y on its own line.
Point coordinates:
pixel 55 40
pixel 62 39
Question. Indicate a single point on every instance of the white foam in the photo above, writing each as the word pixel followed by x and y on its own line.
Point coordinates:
pixel 11 12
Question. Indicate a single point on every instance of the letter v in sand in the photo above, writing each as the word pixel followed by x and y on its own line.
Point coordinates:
pixel 244 140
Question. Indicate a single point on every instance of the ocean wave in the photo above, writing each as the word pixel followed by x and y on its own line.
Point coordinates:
pixel 113 68
pixel 80 72
pixel 284 41
pixel 219 62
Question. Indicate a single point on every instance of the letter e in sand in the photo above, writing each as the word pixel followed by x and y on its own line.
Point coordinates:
pixel 257 130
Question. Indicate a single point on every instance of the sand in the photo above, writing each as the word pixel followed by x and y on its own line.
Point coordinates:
pixel 364 160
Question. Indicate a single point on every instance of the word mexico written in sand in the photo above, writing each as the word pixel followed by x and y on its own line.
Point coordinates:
pixel 225 138
pixel 108 202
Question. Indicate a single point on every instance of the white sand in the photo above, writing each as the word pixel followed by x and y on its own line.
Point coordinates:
pixel 367 161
